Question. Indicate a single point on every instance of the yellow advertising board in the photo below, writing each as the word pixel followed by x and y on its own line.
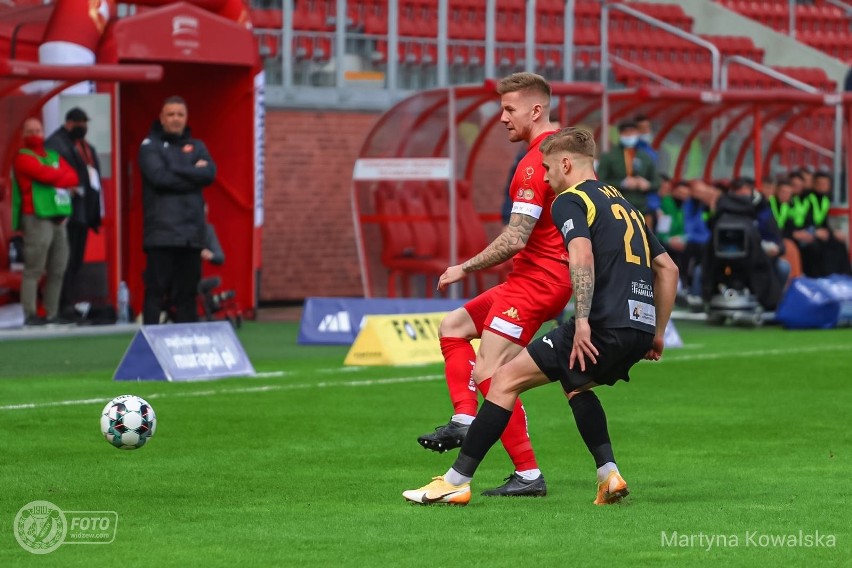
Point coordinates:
pixel 401 339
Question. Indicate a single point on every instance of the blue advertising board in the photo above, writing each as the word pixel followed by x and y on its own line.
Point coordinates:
pixel 337 321
pixel 184 352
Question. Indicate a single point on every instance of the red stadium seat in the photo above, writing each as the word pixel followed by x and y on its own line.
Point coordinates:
pixel 375 18
pixel 404 252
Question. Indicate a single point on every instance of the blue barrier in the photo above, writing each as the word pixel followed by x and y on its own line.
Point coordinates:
pixel 336 321
pixel 820 303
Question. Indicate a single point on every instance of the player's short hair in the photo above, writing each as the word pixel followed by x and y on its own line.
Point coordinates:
pixel 174 100
pixel 525 81
pixel 572 140
pixel 822 175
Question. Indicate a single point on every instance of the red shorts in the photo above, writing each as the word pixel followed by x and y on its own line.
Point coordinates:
pixel 517 308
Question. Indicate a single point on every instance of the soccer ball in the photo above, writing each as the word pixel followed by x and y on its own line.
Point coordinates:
pixel 128 421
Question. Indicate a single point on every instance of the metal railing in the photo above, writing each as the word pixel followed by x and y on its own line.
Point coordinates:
pixel 642 71
pixel 796 84
pixel 760 68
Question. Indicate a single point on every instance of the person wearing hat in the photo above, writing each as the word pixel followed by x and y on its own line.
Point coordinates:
pixel 69 141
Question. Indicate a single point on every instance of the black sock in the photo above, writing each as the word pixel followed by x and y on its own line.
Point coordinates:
pixel 484 432
pixel 591 422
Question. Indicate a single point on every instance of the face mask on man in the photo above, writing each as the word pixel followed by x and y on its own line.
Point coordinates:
pixel 78 132
pixel 33 141
pixel 629 141
pixel 647 137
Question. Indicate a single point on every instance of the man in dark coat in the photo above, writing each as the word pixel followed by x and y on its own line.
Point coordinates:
pixel 175 170
pixel 69 141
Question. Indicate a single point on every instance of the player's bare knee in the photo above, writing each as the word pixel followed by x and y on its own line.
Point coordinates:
pixel 456 324
pixel 505 382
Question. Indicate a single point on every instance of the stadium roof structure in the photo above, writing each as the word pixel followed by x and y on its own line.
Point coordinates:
pixel 439 137
pixel 762 107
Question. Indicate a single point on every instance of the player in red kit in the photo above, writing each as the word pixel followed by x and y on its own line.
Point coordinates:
pixel 507 316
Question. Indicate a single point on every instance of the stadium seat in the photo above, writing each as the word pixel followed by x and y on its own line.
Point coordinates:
pixel 471 235
pixel 550 22
pixel 401 238
pixel 380 52
pixel 311 15
pixel 375 18
pixel 510 21
pixel 266 19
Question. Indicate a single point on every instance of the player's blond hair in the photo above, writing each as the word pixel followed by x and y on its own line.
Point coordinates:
pixel 523 82
pixel 571 140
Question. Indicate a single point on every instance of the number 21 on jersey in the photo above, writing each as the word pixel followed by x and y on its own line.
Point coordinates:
pixel 619 212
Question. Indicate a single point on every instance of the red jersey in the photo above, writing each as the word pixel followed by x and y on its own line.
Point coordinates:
pixel 544 257
pixel 27 168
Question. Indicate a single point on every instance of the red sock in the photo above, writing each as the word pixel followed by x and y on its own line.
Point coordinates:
pixel 515 438
pixel 459 358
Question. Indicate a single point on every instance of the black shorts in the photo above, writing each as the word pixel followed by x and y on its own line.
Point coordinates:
pixel 618 350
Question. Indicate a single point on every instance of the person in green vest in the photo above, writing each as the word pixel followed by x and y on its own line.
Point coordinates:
pixel 831 255
pixel 42 184
pixel 629 169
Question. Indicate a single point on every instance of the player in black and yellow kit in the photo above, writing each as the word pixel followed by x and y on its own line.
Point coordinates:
pixel 624 287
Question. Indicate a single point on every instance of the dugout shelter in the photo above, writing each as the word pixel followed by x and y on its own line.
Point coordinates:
pixel 205 53
pixel 432 172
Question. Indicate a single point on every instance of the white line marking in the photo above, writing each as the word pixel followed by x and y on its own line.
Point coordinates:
pixel 399 380
pixel 755 353
pixel 240 390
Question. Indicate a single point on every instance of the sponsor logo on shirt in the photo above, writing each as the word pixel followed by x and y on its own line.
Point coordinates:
pixel 641 288
pixel 528 194
pixel 642 312
pixel 567 226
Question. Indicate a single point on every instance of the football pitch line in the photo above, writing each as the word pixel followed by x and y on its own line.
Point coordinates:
pixel 667 359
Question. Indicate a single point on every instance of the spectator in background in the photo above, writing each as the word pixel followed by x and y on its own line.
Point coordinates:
pixel 807 175
pixel 646 137
pixel 69 141
pixel 41 204
pixel 669 217
pixel 671 230
pixel 646 144
pixel 175 170
pixel 783 208
pixel 797 181
pixel 830 253
pixel 629 170
pixel 771 239
pixel 697 234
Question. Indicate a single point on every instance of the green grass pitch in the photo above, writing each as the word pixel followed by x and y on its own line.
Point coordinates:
pixel 742 433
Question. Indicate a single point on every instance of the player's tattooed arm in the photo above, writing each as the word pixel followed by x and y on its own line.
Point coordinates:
pixel 511 241
pixel 583 281
pixel 582 266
